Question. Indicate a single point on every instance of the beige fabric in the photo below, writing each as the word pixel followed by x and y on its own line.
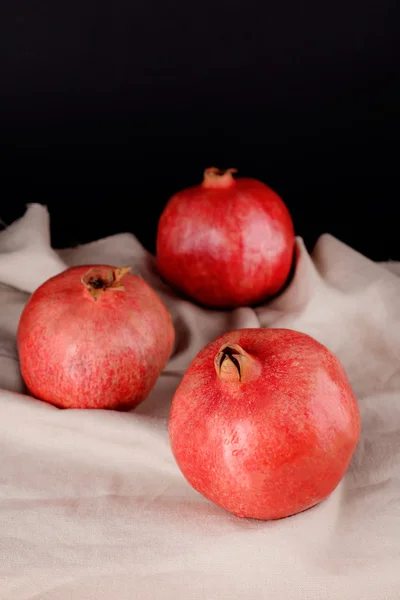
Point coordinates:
pixel 92 504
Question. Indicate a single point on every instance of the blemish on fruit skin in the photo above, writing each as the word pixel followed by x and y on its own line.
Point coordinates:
pixel 235 438
pixel 279 448
pixel 236 452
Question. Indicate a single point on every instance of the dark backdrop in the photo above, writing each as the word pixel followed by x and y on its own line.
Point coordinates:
pixel 108 108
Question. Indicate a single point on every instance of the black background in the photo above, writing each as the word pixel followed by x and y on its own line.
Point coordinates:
pixel 109 108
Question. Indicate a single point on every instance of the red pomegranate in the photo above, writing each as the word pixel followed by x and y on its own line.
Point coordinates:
pixel 264 422
pixel 227 242
pixel 94 336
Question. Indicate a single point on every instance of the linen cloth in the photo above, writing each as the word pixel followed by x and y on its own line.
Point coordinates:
pixel 92 504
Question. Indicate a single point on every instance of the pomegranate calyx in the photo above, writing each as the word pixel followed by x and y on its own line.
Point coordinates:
pixel 98 281
pixel 218 178
pixel 232 363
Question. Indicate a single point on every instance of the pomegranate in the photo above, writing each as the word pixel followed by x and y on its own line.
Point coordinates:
pixel 264 422
pixel 94 336
pixel 227 242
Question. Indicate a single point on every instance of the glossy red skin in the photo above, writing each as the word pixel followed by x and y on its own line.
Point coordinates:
pixel 226 247
pixel 78 353
pixel 276 445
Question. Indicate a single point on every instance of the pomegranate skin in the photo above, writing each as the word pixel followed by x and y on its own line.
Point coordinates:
pixel 275 441
pixel 227 242
pixel 81 348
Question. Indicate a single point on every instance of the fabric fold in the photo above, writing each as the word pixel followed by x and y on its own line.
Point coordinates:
pixel 92 503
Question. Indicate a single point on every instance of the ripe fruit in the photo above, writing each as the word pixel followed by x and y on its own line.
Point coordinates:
pixel 264 422
pixel 94 336
pixel 227 242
